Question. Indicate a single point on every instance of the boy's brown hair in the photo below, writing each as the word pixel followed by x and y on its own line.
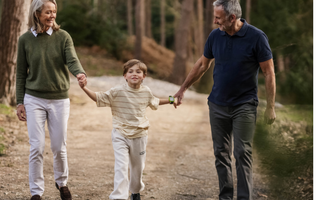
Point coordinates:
pixel 133 62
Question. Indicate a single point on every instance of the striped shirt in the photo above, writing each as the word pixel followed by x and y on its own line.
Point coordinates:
pixel 128 107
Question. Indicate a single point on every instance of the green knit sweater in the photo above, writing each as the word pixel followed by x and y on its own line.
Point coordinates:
pixel 43 65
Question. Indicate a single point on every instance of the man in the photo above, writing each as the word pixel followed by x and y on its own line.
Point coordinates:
pixel 238 49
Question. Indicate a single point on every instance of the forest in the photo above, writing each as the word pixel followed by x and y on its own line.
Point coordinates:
pixel 169 36
pixel 108 24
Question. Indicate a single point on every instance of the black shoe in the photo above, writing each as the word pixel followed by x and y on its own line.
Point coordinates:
pixel 64 192
pixel 35 197
pixel 135 196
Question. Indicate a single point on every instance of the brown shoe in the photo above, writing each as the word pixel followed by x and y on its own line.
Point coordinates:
pixel 64 192
pixel 35 197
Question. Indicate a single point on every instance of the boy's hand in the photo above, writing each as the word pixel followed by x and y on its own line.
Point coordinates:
pixel 175 103
pixel 82 84
pixel 82 80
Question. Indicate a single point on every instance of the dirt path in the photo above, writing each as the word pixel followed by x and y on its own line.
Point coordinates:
pixel 180 161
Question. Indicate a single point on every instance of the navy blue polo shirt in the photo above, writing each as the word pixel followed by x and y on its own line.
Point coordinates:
pixel 236 67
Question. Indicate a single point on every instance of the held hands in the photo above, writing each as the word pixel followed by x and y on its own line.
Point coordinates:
pixel 82 80
pixel 175 102
pixel 269 115
pixel 178 97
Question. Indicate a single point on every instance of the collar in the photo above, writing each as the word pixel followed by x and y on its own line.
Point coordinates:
pixel 242 30
pixel 49 31
pixel 132 89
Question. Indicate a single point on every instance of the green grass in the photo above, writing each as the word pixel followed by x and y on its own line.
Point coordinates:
pixel 6 110
pixel 2 147
pixel 287 162
pixel 297 113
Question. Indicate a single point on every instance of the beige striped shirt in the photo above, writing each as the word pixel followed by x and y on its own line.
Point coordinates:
pixel 128 107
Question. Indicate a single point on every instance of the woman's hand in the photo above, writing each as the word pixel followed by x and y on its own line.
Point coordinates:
pixel 82 80
pixel 21 113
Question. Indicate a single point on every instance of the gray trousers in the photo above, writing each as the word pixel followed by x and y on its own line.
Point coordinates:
pixel 239 121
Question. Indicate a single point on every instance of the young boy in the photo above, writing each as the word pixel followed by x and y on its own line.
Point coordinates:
pixel 130 126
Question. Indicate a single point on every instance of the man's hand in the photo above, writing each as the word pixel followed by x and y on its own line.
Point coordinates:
pixel 267 68
pixel 199 68
pixel 82 80
pixel 179 96
pixel 21 113
pixel 269 115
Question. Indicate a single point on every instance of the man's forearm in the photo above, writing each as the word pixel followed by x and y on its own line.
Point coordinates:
pixel 270 84
pixel 200 67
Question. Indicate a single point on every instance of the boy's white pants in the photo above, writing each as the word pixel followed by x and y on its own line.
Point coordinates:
pixel 56 113
pixel 128 151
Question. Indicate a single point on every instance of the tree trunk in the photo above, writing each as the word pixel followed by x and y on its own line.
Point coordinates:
pixel 177 16
pixel 209 18
pixel 60 4
pixel 163 22
pixel 280 67
pixel 197 26
pixel 13 25
pixel 192 38
pixel 205 83
pixel 248 10
pixel 129 17
pixel 140 24
pixel 200 28
pixel 148 19
pixel 181 41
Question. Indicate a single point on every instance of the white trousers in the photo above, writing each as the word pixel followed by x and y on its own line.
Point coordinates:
pixel 128 152
pixel 56 113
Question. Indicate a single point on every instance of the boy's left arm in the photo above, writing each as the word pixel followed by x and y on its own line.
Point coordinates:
pixel 170 100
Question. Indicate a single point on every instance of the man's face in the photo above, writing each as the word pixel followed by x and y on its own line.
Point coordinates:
pixel 221 19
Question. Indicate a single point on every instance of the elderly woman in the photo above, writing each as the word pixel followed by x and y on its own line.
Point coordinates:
pixel 45 56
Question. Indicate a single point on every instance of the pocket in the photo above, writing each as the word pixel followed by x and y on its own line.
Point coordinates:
pixel 253 102
pixel 27 99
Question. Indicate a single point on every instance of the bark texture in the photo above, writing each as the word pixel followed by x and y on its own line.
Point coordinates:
pixel 148 19
pixel 248 10
pixel 200 39
pixel 205 83
pixel 163 22
pixel 140 24
pixel 181 41
pixel 129 17
pixel 13 25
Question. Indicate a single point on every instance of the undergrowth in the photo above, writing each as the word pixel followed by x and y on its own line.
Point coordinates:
pixel 286 153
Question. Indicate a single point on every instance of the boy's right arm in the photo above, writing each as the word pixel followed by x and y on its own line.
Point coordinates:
pixel 90 93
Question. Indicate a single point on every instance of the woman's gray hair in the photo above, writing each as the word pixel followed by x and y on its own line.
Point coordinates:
pixel 35 9
pixel 230 7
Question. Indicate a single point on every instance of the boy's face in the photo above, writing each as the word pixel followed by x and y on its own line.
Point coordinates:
pixel 134 76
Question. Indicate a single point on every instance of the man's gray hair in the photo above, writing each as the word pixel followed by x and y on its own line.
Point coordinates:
pixel 230 7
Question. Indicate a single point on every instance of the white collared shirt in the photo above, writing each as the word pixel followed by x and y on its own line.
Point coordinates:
pixel 49 31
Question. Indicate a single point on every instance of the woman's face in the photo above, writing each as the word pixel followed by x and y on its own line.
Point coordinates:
pixel 48 14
